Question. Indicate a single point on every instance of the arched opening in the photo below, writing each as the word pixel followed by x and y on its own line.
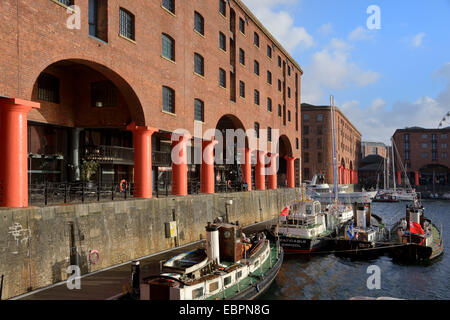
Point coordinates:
pixel 342 172
pixel 284 149
pixel 230 154
pixel 79 133
pixel 434 175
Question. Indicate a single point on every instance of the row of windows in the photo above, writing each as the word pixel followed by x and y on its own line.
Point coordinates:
pixel 306 143
pixel 319 117
pixel 319 130
pixel 306 157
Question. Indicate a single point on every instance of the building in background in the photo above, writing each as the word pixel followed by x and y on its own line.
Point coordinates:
pixel 425 155
pixel 374 148
pixel 317 144
pixel 104 99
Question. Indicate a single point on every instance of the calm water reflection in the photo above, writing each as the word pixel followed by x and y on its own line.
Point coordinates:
pixel 327 277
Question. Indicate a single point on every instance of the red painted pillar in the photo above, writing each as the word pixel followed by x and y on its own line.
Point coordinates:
pixel 341 175
pixel 142 142
pixel 399 177
pixel 207 168
pixel 416 178
pixel 272 171
pixel 179 165
pixel 290 172
pixel 14 151
pixel 247 168
pixel 260 171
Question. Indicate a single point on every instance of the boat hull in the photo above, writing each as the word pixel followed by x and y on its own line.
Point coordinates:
pixel 256 290
pixel 299 245
pixel 358 249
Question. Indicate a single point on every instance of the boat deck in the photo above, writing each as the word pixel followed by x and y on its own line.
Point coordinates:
pixel 437 245
pixel 250 280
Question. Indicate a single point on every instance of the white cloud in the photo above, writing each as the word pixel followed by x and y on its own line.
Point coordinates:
pixel 378 122
pixel 360 34
pixel 325 29
pixel 332 69
pixel 281 23
pixel 418 39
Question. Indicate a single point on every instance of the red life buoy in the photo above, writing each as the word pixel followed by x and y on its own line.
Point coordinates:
pixel 91 253
pixel 123 185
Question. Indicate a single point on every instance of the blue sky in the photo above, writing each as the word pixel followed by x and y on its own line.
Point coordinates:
pixel 384 79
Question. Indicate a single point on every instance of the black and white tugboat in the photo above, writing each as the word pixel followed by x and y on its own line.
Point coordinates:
pixel 304 228
pixel 416 238
pixel 363 237
pixel 231 267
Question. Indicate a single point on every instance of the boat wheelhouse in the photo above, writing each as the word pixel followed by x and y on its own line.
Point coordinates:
pixel 304 228
pixel 233 266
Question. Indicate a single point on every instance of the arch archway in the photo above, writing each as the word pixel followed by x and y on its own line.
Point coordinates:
pixel 230 156
pixel 85 110
pixel 284 148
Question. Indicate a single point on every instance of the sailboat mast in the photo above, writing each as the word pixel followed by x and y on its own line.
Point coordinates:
pixel 393 164
pixel 333 137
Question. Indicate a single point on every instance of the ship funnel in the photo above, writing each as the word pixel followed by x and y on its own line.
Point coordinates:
pixel 212 243
pixel 361 217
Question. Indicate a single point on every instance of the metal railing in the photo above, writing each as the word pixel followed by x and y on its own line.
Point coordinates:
pixel 73 192
pixel 110 154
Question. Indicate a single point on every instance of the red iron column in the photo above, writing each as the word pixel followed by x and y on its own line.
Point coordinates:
pixel 142 142
pixel 179 165
pixel 290 172
pixel 207 172
pixel 247 168
pixel 272 174
pixel 399 177
pixel 260 171
pixel 416 178
pixel 14 151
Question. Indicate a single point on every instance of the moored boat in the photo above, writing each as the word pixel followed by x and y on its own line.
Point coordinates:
pixel 416 237
pixel 232 266
pixel 304 228
pixel 363 237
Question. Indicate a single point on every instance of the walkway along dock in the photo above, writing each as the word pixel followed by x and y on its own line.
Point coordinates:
pixel 110 283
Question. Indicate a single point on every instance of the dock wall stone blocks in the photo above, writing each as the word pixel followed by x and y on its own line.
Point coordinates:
pixel 38 244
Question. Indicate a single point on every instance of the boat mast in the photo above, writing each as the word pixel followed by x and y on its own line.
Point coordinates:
pixel 393 164
pixel 333 137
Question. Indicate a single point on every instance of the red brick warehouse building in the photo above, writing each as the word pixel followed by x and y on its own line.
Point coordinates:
pixel 317 144
pixel 113 91
pixel 423 154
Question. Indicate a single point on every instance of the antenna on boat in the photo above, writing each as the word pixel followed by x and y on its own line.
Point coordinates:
pixel 393 164
pixel 336 189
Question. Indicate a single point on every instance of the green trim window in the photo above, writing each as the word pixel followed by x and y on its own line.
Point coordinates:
pixel 242 89
pixel 199 23
pixel 169 5
pixel 256 97
pixel 222 41
pixel 241 56
pixel 48 88
pixel 199 64
pixel 199 110
pixel 223 8
pixel 168 47
pixel 256 39
pixel 168 99
pixel 126 24
pixel 222 78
